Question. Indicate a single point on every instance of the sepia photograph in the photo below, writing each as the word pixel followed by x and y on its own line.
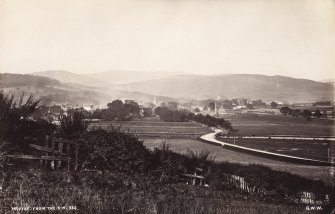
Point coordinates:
pixel 167 106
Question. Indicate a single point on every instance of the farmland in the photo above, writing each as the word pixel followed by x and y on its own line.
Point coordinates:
pixel 221 154
pixel 314 149
pixel 182 136
pixel 153 127
pixel 264 125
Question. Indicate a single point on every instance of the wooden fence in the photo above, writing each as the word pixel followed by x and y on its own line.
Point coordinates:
pixel 58 153
pixel 234 181
pixel 310 198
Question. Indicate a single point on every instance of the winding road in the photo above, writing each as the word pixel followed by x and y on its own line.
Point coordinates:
pixel 211 137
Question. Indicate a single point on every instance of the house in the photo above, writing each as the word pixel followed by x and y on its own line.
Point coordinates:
pixel 239 107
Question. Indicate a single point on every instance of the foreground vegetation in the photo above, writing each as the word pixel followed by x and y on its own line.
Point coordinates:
pixel 111 192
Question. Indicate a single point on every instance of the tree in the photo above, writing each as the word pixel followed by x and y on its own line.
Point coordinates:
pixel 172 106
pixel 285 110
pixel 85 113
pixel 161 111
pixel 250 106
pixel 147 112
pixel 317 113
pixel 307 114
pixel 211 106
pixel 235 102
pixel 258 103
pixel 227 104
pixel 97 114
pixel 296 113
pixel 114 110
pixel 196 110
pixel 116 105
pixel 274 104
pixel 132 108
pixel 149 105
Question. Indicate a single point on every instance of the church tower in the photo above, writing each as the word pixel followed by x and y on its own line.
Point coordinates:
pixel 155 102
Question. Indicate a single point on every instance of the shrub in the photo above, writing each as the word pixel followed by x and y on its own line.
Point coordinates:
pixel 13 115
pixel 73 124
pixel 113 149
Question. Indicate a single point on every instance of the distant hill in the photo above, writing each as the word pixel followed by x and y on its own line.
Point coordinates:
pixel 328 80
pixel 268 88
pixel 17 80
pixel 69 77
pixel 124 76
pixel 50 91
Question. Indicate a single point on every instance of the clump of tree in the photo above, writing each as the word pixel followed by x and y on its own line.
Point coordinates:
pixel 182 116
pixel 322 103
pixel 285 110
pixel 97 114
pixel 168 115
pixel 317 113
pixel 211 121
pixel 273 105
pixel 117 110
pixel 307 114
pixel 147 112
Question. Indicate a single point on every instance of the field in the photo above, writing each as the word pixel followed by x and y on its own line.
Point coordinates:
pixel 221 154
pixel 183 135
pixel 264 125
pixel 154 127
pixel 317 150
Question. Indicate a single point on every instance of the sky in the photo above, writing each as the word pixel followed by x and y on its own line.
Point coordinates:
pixel 272 37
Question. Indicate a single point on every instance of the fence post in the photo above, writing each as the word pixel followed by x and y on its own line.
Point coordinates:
pixel 53 153
pixel 60 149
pixel 68 146
pixel 76 151
pixel 46 143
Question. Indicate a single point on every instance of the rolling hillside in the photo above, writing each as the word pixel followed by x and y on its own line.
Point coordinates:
pixel 125 76
pixel 18 80
pixel 268 88
pixel 50 91
pixel 69 77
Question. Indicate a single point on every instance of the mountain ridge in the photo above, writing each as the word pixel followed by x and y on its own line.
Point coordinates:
pixel 254 86
pixel 70 77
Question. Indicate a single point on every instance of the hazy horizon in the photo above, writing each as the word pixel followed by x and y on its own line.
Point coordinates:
pixel 181 73
pixel 284 37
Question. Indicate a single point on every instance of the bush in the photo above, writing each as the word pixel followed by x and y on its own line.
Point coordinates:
pixel 13 115
pixel 72 125
pixel 113 150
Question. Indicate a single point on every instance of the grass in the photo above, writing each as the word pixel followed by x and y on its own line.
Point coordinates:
pixel 263 125
pixel 221 155
pixel 31 188
pixel 153 127
pixel 302 148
